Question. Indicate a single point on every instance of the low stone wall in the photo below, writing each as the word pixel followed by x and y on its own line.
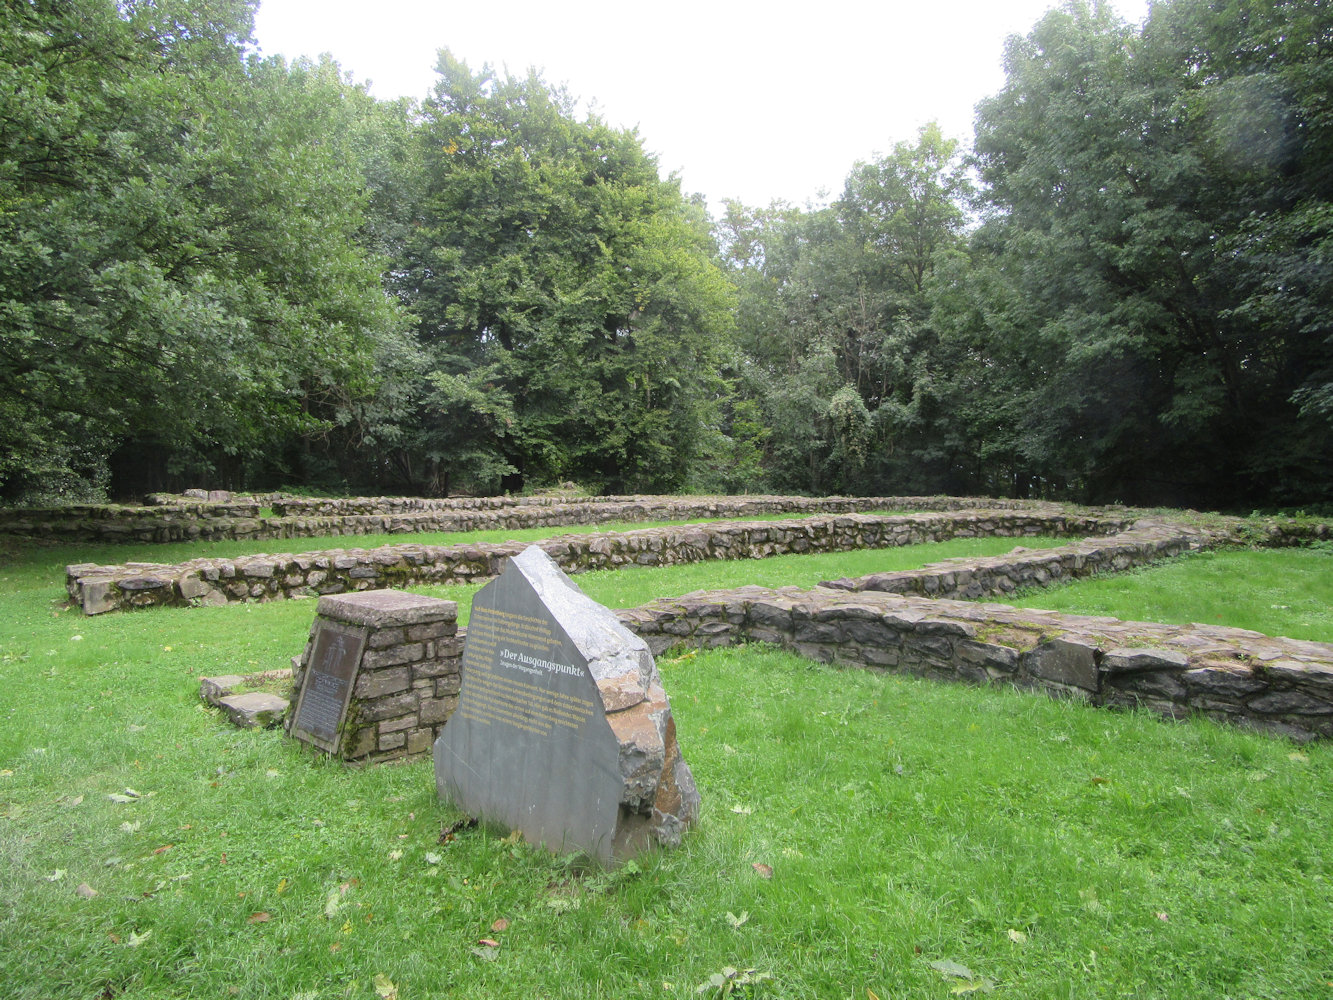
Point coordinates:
pixel 1276 684
pixel 187 520
pixel 98 589
pixel 968 579
pixel 239 519
pixel 410 675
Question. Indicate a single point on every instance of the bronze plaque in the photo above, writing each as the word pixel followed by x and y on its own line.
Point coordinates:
pixel 326 686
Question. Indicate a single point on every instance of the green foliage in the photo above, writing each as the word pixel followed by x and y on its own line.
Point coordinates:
pixel 550 256
pixel 179 262
pixel 1160 210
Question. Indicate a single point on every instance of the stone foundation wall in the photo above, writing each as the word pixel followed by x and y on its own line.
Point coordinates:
pixel 239 519
pixel 1276 684
pixel 98 589
pixel 968 579
pixel 410 674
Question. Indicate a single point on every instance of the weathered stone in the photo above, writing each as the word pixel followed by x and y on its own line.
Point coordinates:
pixel 214 689
pixel 378 683
pixel 988 655
pixel 98 594
pixel 387 608
pixel 1289 703
pixel 563 730
pixel 1064 661
pixel 254 710
pixel 1129 659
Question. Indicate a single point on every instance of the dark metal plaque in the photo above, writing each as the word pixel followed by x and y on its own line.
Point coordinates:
pixel 327 684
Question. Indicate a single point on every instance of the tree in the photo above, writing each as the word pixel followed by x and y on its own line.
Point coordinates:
pixel 179 264
pixel 551 255
pixel 1157 202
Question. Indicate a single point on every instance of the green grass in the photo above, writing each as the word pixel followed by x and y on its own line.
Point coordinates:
pixel 1286 592
pixel 905 823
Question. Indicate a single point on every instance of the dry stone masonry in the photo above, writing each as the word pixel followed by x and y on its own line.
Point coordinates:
pixel 184 519
pixel 1276 684
pixel 99 589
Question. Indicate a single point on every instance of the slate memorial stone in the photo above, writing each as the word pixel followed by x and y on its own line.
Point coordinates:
pixel 327 687
pixel 563 730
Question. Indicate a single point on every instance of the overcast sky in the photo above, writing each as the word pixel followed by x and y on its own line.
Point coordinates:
pixel 756 101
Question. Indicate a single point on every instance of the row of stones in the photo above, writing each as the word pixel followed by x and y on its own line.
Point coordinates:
pixel 968 579
pixel 98 589
pixel 1277 684
pixel 411 673
pixel 240 520
pixel 407 685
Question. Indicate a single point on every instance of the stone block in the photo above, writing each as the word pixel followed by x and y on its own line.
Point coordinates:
pixel 377 659
pixel 386 608
pixel 397 725
pixel 989 655
pixel 378 683
pixel 388 706
pixel 1064 661
pixel 435 711
pixel 255 710
pixel 420 740
pixel 1130 659
pixel 383 638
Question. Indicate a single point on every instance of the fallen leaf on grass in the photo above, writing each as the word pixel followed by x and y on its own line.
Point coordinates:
pixel 55 876
pixel 1017 937
pixel 743 810
pixel 85 891
pixel 384 987
pixel 259 918
pixel 135 939
pixel 736 921
pixel 765 871
pixel 488 942
pixel 948 967
pixel 500 925
pixel 163 849
pixel 431 858
pixel 956 970
pixel 1162 916
pixel 870 994
pixel 78 799
pixel 485 953
pixel 128 827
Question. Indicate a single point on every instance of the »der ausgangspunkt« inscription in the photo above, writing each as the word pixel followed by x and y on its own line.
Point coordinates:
pixel 562 730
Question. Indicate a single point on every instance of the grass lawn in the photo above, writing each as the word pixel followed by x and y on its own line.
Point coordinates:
pixel 912 831
pixel 1275 591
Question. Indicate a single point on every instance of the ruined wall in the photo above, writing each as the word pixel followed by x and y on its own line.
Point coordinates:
pixel 194 520
pixel 1276 684
pixel 99 589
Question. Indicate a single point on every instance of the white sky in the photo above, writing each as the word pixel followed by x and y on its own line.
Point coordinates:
pixel 756 101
